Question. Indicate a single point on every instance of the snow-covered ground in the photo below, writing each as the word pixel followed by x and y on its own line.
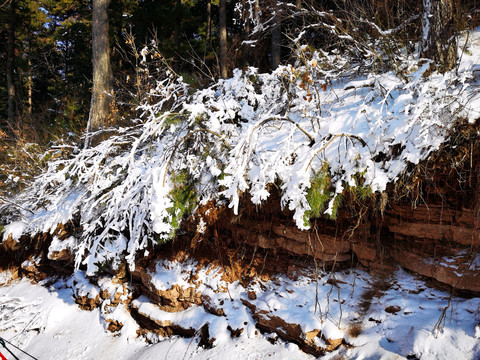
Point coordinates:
pixel 44 321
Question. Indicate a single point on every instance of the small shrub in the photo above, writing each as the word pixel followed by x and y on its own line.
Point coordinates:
pixel 183 197
pixel 354 329
pixel 319 194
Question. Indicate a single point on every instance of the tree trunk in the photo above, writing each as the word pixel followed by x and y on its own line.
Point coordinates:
pixel 10 62
pixel 245 35
pixel 102 71
pixel 177 34
pixel 29 84
pixel 276 40
pixel 209 28
pixel 223 38
pixel 438 43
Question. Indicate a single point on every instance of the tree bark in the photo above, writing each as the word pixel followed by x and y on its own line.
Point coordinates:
pixel 209 29
pixel 11 62
pixel 223 38
pixel 177 34
pixel 29 84
pixel 245 35
pixel 276 40
pixel 439 43
pixel 102 71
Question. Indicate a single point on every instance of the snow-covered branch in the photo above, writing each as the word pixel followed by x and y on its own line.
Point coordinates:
pixel 240 135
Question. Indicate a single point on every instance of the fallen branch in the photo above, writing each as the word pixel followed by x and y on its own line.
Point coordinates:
pixel 359 139
pixel 5 201
pixel 186 136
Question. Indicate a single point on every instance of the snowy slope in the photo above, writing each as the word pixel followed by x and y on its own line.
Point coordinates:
pixel 44 321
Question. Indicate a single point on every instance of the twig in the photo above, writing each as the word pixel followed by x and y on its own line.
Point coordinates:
pixel 331 140
pixel 5 3
pixel 463 51
pixel 340 307
pixel 317 302
pixel 5 201
pixel 264 122
pixel 440 324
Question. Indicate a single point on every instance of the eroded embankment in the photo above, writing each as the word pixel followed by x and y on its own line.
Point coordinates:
pixel 428 223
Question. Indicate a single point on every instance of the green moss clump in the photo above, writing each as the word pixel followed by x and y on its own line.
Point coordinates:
pixel 184 198
pixel 360 191
pixel 172 119
pixel 337 202
pixel 319 194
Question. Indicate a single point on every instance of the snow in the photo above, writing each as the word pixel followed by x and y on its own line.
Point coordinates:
pixel 43 319
pixel 82 287
pixel 168 273
pixel 16 229
pixel 58 245
pixel 45 322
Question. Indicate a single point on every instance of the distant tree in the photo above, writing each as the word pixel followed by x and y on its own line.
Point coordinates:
pixel 223 37
pixel 208 30
pixel 22 19
pixel 177 33
pixel 11 61
pixel 57 44
pixel 276 38
pixel 102 71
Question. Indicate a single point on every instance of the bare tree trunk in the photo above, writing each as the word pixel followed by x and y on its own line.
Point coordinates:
pixel 223 38
pixel 10 62
pixel 102 71
pixel 276 40
pixel 209 29
pixel 177 34
pixel 245 35
pixel 439 43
